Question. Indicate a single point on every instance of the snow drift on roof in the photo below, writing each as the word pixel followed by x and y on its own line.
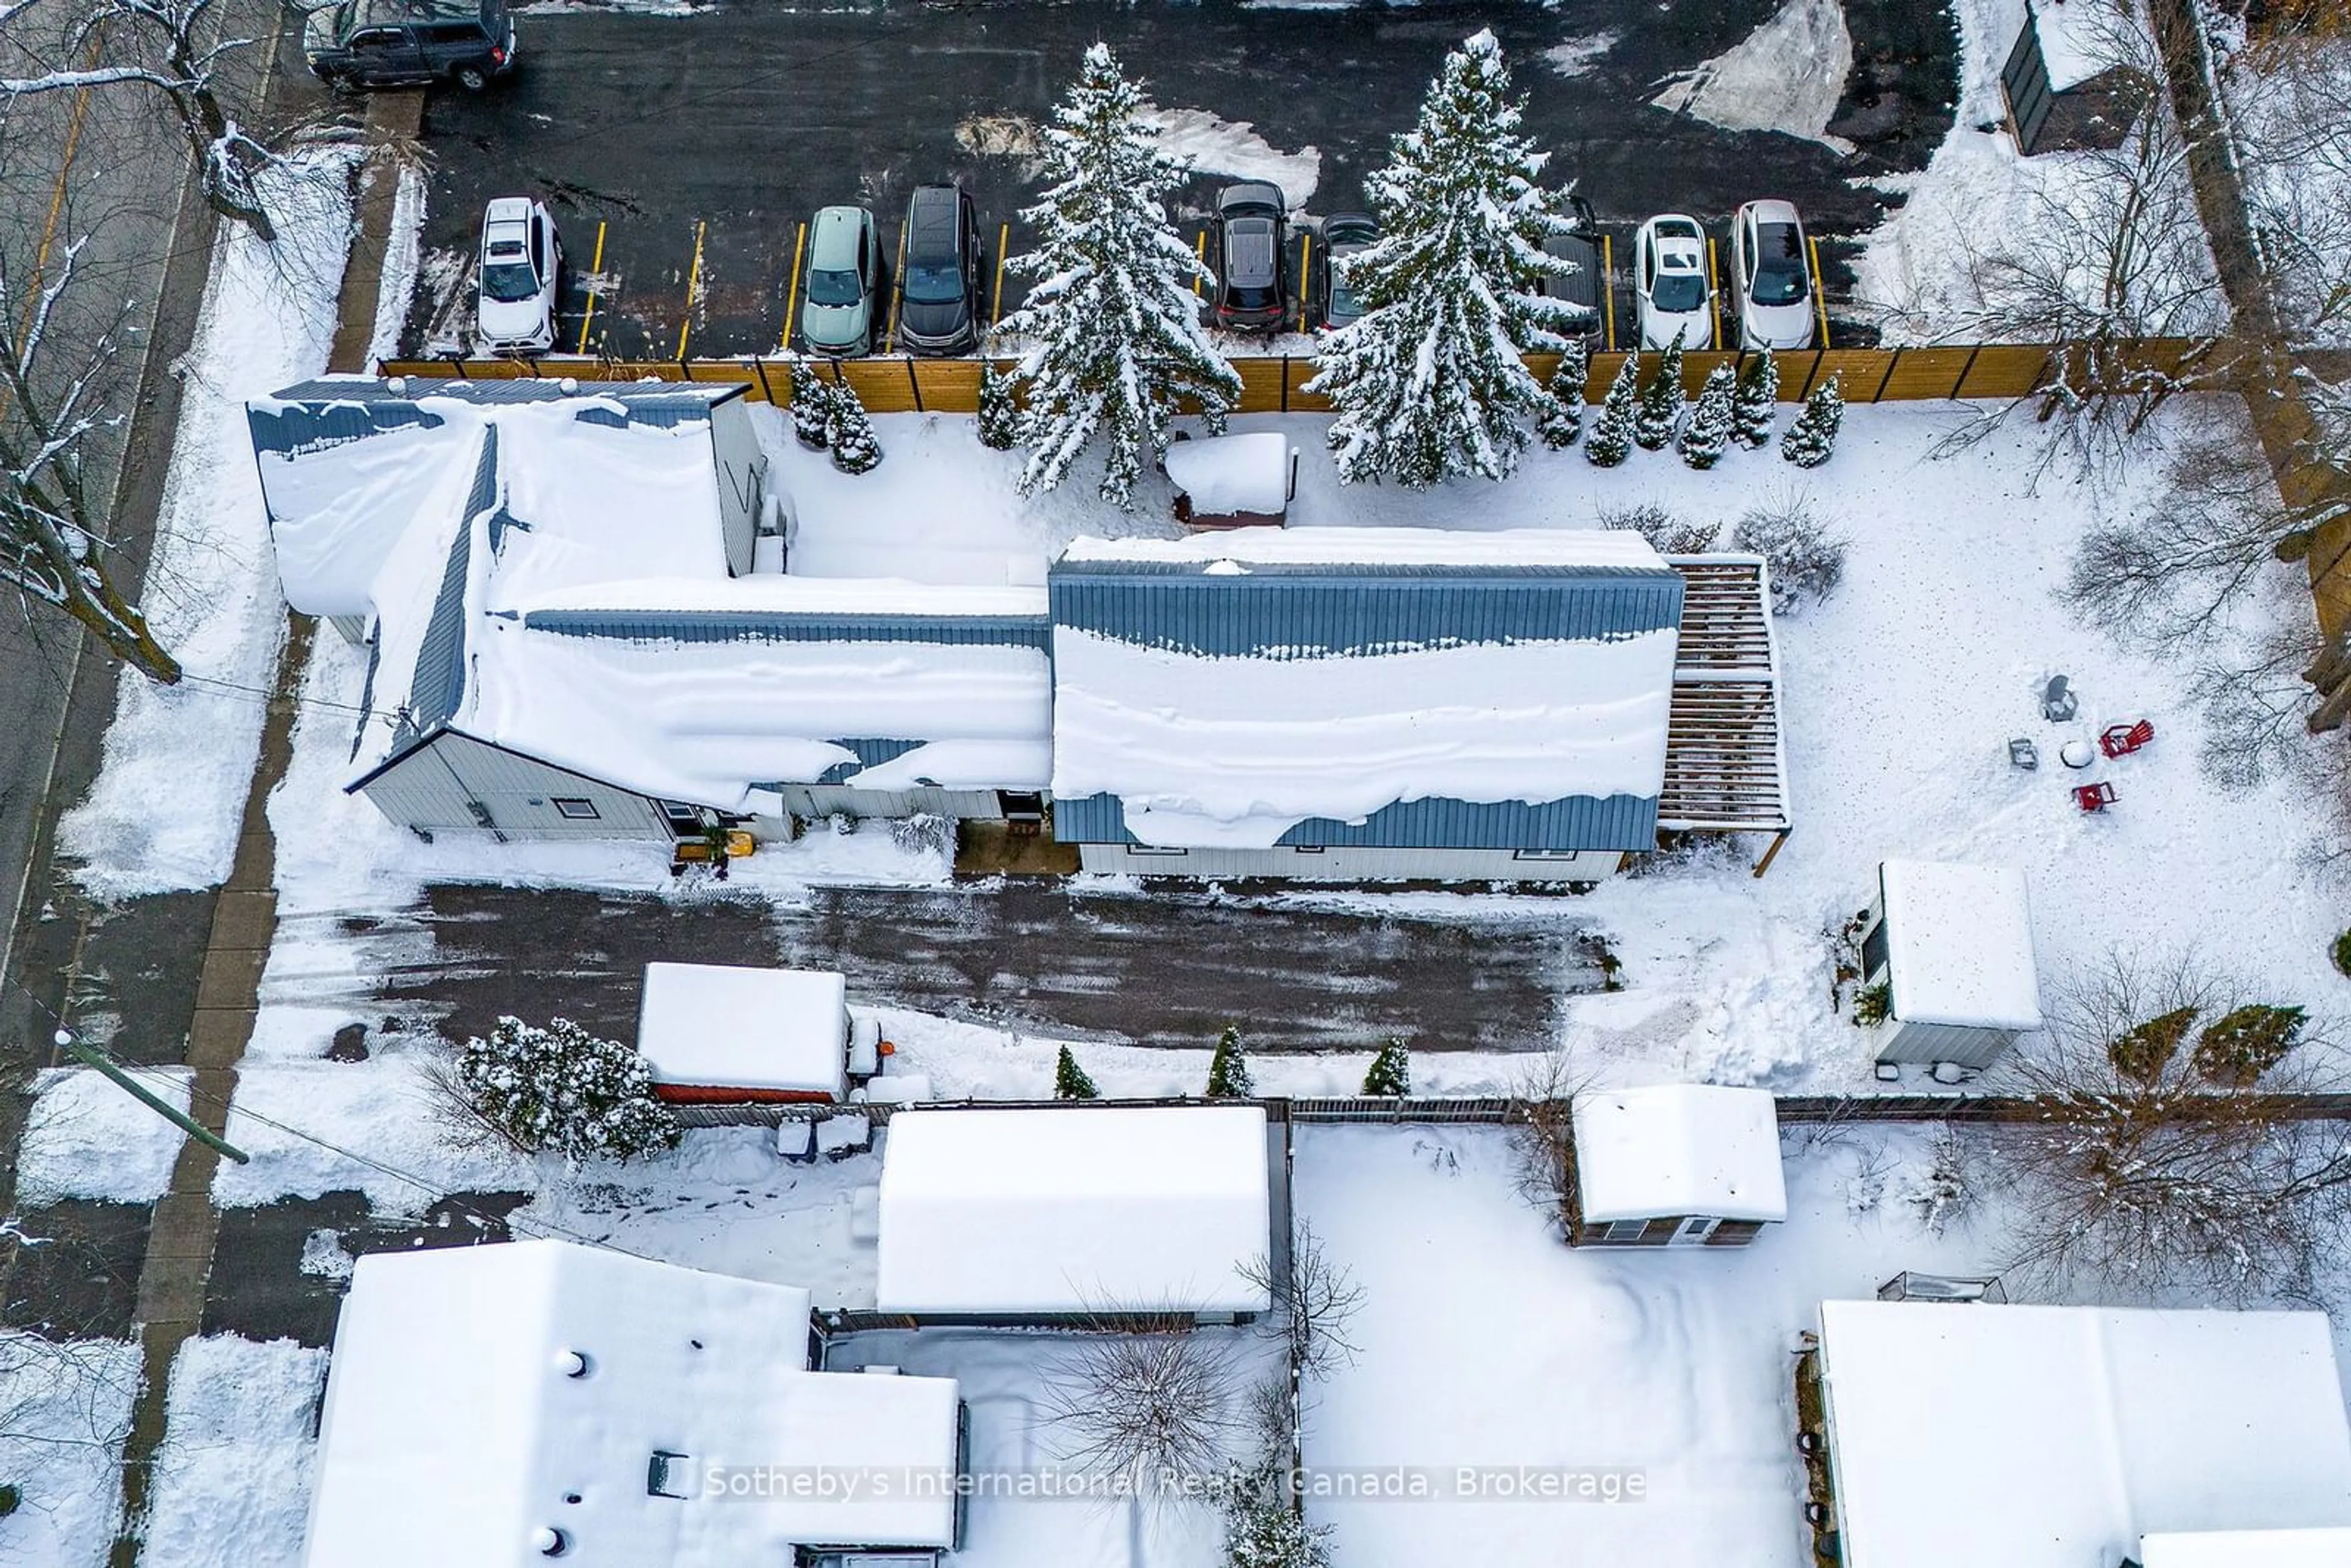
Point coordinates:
pixel 1073 1211
pixel 2057 1436
pixel 1959 945
pixel 1227 474
pixel 453 1429
pixel 1235 752
pixel 1594 549
pixel 715 1025
pixel 1678 1149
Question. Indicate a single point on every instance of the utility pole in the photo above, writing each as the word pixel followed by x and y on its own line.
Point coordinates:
pixel 179 1119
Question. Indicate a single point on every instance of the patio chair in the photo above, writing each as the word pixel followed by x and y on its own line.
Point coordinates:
pixel 2059 700
pixel 2122 739
pixel 2023 753
pixel 2094 797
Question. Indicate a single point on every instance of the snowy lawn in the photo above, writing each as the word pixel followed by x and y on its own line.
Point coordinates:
pixel 87 1138
pixel 212 592
pixel 233 1478
pixel 64 1412
pixel 1486 1342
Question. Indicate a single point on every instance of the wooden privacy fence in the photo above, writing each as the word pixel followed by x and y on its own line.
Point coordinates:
pixel 1274 384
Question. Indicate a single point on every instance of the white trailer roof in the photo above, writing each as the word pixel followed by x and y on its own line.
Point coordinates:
pixel 2058 1437
pixel 1959 945
pixel 454 1430
pixel 2248 1549
pixel 1678 1149
pixel 1070 1211
pixel 717 1026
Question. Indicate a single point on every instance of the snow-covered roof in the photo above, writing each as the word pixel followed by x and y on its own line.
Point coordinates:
pixel 2078 39
pixel 1082 1210
pixel 1581 549
pixel 480 1395
pixel 2058 1437
pixel 718 1026
pixel 2247 1549
pixel 1223 475
pixel 1959 945
pixel 1678 1149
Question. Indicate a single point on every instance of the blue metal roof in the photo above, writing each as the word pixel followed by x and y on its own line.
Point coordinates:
pixel 870 754
pixel 1617 822
pixel 311 427
pixel 780 626
pixel 1306 613
pixel 325 413
pixel 439 683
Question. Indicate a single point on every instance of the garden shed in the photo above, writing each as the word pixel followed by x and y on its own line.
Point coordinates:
pixel 1076 1214
pixel 1677 1164
pixel 718 1033
pixel 1233 481
pixel 1946 959
pixel 2038 1437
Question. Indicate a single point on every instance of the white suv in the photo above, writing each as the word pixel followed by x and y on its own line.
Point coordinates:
pixel 521 263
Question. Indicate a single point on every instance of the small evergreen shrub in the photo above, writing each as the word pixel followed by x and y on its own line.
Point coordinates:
pixel 1228 1070
pixel 1561 420
pixel 1000 408
pixel 1659 416
pixel 2244 1042
pixel 2142 1051
pixel 855 449
pixel 1072 1082
pixel 811 408
pixel 2342 953
pixel 1611 440
pixel 1390 1073
pixel 1756 409
pixel 1811 438
pixel 1709 430
pixel 562 1089
pixel 1263 1530
pixel 1873 1004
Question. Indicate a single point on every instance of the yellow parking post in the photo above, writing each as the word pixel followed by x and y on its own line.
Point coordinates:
pixel 1820 293
pixel 1305 252
pixel 692 286
pixel 595 276
pixel 1608 285
pixel 1714 288
pixel 792 290
pixel 1003 244
pixel 1200 255
pixel 897 290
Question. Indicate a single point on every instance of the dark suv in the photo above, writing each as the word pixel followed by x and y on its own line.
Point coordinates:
pixel 1252 294
pixel 405 43
pixel 939 303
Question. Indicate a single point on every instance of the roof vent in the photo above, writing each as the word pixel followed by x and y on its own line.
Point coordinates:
pixel 568 384
pixel 573 1362
pixel 395 383
pixel 549 1541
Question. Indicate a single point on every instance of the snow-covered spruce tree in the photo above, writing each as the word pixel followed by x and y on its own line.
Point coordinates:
pixel 1390 1073
pixel 1813 437
pixel 1263 1530
pixel 1756 409
pixel 1072 1082
pixel 855 448
pixel 1611 440
pixel 811 407
pixel 1000 408
pixel 1709 430
pixel 1431 383
pixel 562 1090
pixel 1662 401
pixel 1114 327
pixel 1228 1070
pixel 1561 419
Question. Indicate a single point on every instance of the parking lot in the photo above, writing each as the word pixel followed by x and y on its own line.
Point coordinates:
pixel 681 153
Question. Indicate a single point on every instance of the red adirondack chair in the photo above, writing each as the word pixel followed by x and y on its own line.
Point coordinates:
pixel 2122 739
pixel 2094 797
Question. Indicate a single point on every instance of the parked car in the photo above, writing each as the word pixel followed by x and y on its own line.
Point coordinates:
pixel 844 278
pixel 939 305
pixel 1670 290
pixel 1587 287
pixel 522 268
pixel 404 43
pixel 1344 234
pixel 1252 225
pixel 1771 277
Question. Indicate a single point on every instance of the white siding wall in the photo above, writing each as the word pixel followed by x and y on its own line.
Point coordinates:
pixel 1338 863
pixel 1926 1042
pixel 438 787
pixel 742 471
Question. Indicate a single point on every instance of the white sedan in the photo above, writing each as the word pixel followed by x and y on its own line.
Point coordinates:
pixel 521 263
pixel 1669 283
pixel 1771 277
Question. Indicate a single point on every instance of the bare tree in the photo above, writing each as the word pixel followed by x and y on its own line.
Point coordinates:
pixel 57 386
pixel 2166 1153
pixel 1150 1407
pixel 1542 1128
pixel 176 49
pixel 1314 1301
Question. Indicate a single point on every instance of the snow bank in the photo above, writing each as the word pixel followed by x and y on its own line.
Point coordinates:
pixel 65 1408
pixel 374 1126
pixel 1195 138
pixel 165 812
pixel 231 1484
pixel 1235 752
pixel 1787 75
pixel 88 1138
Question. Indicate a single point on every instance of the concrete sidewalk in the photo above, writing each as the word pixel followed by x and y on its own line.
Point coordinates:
pixel 186 1226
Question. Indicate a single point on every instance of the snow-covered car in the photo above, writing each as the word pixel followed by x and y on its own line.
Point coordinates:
pixel 844 277
pixel 522 264
pixel 1586 287
pixel 1252 229
pixel 1669 283
pixel 1344 234
pixel 1771 277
